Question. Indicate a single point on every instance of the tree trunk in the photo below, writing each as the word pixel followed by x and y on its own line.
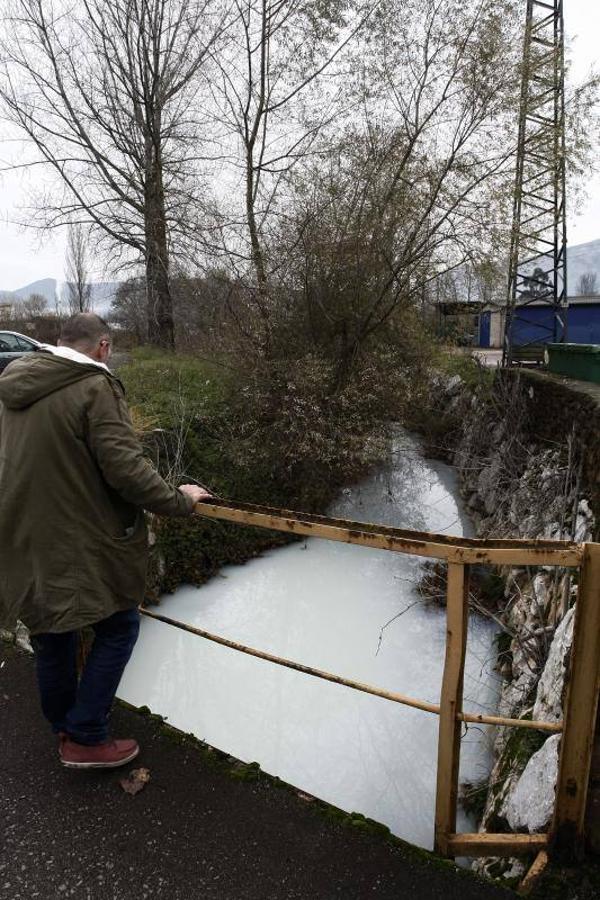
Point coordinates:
pixel 161 332
pixel 257 255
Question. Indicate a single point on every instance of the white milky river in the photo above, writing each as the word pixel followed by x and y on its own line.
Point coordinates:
pixel 324 604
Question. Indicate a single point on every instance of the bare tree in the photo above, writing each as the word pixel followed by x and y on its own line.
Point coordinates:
pixel 278 86
pixel 418 182
pixel 78 289
pixel 587 284
pixel 129 309
pixel 105 92
pixel 34 306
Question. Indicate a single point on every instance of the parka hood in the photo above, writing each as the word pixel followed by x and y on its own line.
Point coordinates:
pixel 28 379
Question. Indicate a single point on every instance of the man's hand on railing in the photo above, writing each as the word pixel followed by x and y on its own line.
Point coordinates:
pixel 197 494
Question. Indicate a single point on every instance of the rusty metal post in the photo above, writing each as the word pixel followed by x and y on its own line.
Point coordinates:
pixel 457 617
pixel 580 714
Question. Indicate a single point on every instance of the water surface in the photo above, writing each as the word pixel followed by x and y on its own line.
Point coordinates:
pixel 326 605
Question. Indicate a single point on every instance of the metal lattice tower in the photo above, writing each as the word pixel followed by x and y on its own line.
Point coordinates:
pixel 538 262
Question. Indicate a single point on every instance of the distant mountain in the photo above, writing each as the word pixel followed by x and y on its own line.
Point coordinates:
pixel 46 287
pixel 103 293
pixel 54 292
pixel 581 259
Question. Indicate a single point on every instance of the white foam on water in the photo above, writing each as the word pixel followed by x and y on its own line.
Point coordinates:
pixel 324 604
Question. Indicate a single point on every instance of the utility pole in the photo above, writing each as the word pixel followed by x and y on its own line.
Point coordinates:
pixel 536 309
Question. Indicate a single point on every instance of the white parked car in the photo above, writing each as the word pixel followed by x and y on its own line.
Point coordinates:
pixel 13 345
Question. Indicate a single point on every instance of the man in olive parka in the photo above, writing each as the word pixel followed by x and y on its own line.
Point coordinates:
pixel 74 484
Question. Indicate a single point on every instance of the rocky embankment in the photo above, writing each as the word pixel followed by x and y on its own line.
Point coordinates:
pixel 527 449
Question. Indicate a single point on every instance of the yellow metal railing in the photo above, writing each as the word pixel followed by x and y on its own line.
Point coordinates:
pixel 566 833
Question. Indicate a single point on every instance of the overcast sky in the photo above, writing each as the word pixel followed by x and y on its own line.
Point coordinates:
pixel 24 258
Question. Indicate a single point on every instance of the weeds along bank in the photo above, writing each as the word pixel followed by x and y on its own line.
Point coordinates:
pixel 282 433
pixel 527 450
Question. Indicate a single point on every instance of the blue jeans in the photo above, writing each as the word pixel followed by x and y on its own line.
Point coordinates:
pixel 81 710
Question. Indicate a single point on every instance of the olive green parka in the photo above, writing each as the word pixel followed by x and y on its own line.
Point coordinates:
pixel 73 486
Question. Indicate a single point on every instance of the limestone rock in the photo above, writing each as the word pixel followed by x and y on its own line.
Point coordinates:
pixel 531 803
pixel 498 867
pixel 454 385
pixel 548 701
pixel 516 693
pixel 584 523
pixel 22 638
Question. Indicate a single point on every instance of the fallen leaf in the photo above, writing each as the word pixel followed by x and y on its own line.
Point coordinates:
pixel 135 781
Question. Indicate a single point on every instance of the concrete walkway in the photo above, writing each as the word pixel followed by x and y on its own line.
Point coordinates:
pixel 199 829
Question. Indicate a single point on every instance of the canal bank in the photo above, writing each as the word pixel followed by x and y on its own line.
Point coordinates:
pixel 526 445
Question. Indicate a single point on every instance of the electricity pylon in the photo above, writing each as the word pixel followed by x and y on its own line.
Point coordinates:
pixel 538 260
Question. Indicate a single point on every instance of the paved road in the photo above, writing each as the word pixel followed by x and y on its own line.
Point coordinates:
pixel 194 832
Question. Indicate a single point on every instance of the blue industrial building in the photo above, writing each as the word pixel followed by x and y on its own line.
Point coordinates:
pixel 533 323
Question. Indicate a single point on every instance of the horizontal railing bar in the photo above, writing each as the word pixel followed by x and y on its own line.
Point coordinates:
pixel 533 724
pixel 395 697
pixel 484 844
pixel 418 543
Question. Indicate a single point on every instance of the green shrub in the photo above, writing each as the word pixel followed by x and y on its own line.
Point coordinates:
pixel 281 432
pixel 271 438
pixel 469 369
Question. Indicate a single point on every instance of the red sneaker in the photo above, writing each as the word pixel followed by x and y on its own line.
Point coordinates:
pixel 109 755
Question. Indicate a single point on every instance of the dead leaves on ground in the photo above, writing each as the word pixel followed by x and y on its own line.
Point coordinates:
pixel 136 781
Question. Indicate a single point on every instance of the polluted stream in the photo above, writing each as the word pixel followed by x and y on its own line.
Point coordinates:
pixel 352 611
